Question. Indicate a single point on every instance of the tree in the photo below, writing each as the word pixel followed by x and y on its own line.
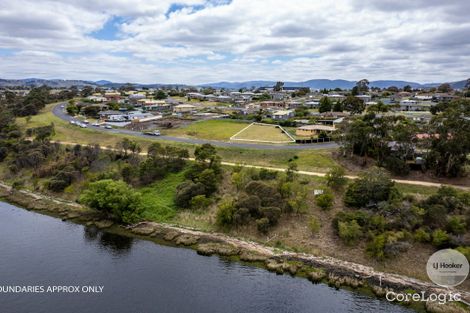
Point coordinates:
pixel 450 144
pixel 444 88
pixel 362 85
pixel 325 105
pixel 407 88
pixel 278 86
pixel 72 109
pixel 114 198
pixel 207 154
pixel 353 104
pixel 86 91
pixel 338 106
pixel 161 95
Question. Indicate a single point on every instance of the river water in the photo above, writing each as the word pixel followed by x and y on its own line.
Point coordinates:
pixel 141 276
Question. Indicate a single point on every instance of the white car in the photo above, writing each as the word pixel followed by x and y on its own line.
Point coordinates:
pixel 96 124
pixel 108 127
pixel 73 122
pixel 86 122
pixel 83 125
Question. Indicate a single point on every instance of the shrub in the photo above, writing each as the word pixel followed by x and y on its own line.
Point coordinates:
pixel 200 202
pixel 186 191
pixel 376 247
pixel 225 213
pixel 114 198
pixel 263 225
pixel 335 178
pixel 271 213
pixel 251 202
pixel 314 224
pixel 349 232
pixel 325 200
pixel 265 174
pixel 369 189
pixel 456 225
pixel 421 235
pixel 465 251
pixel 440 239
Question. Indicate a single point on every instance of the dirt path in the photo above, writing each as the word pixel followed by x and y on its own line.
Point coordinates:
pixel 307 173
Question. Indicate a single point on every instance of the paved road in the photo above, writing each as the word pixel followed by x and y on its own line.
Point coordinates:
pixel 60 113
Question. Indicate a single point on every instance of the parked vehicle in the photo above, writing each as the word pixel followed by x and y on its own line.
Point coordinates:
pixel 73 122
pixel 83 125
pixel 96 124
pixel 86 122
pixel 153 133
pixel 108 127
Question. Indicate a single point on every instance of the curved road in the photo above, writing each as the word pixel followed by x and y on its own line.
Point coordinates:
pixel 60 113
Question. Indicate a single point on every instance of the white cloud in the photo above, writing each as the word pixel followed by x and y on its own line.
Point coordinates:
pixel 202 41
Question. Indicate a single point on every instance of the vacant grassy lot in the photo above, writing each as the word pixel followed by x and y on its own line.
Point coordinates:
pixel 211 130
pixel 263 133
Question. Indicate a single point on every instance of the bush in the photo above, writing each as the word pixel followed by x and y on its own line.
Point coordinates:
pixel 349 232
pixel 335 178
pixel 421 235
pixel 114 198
pixel 314 225
pixel 369 189
pixel 263 225
pixel 200 202
pixel 456 225
pixel 376 247
pixel 325 200
pixel 440 239
pixel 225 213
pixel 271 213
pixel 186 191
pixel 465 251
pixel 265 174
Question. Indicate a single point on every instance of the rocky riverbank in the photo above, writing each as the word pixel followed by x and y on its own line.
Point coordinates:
pixel 324 269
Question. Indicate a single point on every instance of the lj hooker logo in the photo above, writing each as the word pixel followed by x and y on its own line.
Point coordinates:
pixel 447 268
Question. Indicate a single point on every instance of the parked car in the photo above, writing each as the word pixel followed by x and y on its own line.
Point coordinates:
pixel 86 122
pixel 108 127
pixel 96 124
pixel 153 133
pixel 73 122
pixel 83 125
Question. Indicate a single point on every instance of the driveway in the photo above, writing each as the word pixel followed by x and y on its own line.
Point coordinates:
pixel 60 113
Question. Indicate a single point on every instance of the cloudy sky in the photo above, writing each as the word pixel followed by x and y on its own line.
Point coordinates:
pixel 199 41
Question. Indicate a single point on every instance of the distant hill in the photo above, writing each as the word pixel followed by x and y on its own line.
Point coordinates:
pixel 328 84
pixel 313 84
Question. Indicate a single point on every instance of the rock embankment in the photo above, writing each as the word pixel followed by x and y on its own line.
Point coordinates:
pixel 336 273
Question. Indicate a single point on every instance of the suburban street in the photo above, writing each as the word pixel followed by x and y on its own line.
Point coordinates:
pixel 59 112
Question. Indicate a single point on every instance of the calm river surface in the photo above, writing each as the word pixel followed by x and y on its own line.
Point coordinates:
pixel 141 276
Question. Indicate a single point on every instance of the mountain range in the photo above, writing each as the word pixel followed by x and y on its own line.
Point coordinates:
pixel 313 84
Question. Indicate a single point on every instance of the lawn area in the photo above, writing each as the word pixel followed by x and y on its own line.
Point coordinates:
pixel 158 198
pixel 211 129
pixel 263 133
pixel 308 160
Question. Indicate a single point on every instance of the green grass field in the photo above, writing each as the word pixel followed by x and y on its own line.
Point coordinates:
pixel 262 133
pixel 210 129
pixel 158 198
